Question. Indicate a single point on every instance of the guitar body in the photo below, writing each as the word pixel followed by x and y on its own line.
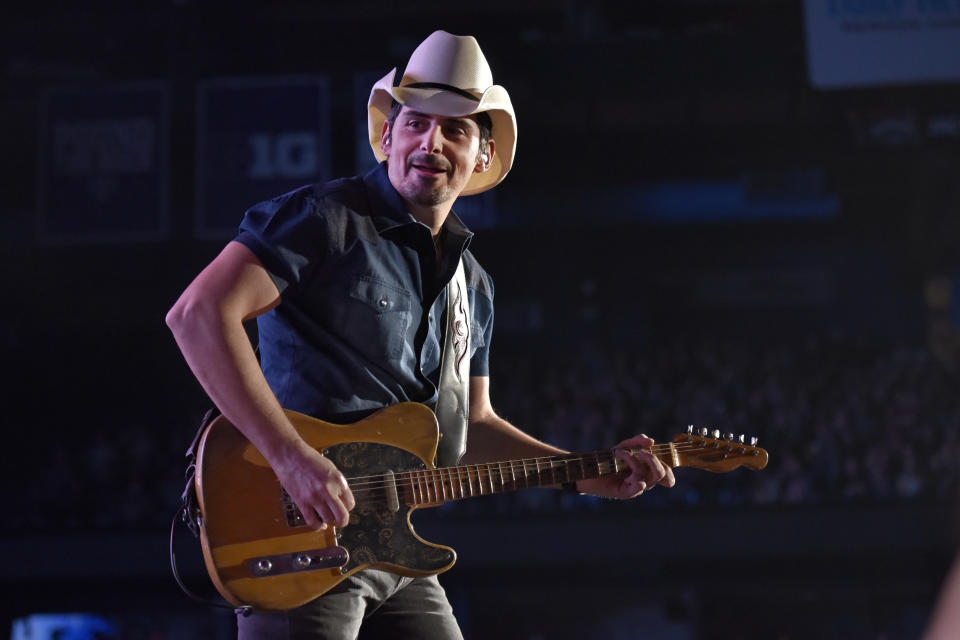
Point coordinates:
pixel 259 552
pixel 257 549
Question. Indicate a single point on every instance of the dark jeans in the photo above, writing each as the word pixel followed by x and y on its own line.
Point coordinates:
pixel 387 606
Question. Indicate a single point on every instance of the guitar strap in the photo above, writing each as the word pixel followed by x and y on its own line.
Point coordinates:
pixel 453 393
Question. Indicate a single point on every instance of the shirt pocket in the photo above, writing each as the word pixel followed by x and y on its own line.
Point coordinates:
pixel 378 315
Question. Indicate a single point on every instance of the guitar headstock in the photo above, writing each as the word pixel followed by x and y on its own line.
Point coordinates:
pixel 708 451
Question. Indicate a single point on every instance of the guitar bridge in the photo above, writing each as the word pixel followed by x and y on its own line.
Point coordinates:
pixel 290 511
pixel 309 560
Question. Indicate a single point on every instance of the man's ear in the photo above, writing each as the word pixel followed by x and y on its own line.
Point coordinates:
pixel 485 157
pixel 385 138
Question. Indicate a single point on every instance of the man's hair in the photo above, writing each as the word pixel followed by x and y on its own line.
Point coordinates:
pixel 483 121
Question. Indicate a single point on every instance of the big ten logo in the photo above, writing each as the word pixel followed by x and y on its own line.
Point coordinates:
pixel 288 154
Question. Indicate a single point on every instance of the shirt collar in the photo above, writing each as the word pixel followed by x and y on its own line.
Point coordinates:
pixel 390 211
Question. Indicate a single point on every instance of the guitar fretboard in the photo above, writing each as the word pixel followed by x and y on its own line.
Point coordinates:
pixel 434 486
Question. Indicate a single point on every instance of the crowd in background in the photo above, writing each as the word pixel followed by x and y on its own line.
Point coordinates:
pixel 844 421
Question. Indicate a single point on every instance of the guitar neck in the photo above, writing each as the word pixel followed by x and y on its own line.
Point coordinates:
pixel 436 486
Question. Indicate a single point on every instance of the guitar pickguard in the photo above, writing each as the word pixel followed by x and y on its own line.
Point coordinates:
pixel 377 533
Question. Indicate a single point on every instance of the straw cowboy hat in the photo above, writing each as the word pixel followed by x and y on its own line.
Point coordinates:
pixel 447 75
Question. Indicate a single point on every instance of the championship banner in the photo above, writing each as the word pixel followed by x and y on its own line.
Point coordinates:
pixel 857 43
pixel 104 159
pixel 256 139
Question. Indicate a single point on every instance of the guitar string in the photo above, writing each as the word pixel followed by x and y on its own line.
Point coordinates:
pixel 427 479
pixel 484 472
pixel 490 469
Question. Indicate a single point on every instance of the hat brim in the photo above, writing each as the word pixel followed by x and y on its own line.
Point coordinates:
pixel 494 101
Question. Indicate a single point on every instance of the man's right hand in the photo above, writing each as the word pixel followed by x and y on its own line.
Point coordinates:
pixel 317 487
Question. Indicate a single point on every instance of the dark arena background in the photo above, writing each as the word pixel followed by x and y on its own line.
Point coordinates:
pixel 736 214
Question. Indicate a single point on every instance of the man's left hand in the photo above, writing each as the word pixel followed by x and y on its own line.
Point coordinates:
pixel 646 472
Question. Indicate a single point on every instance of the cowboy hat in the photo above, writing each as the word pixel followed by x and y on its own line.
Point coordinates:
pixel 447 75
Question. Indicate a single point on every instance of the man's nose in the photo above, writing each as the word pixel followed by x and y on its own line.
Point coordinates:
pixel 432 139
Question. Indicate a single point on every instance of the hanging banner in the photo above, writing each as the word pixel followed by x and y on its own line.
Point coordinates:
pixel 863 43
pixel 256 139
pixel 104 163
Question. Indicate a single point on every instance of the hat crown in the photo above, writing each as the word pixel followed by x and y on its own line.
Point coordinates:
pixel 444 58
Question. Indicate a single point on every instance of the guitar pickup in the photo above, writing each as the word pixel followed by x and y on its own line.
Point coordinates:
pixel 309 560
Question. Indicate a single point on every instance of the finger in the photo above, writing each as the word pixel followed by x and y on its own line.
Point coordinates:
pixel 644 465
pixel 312 518
pixel 656 470
pixel 326 514
pixel 338 510
pixel 668 478
pixel 636 482
pixel 636 442
pixel 346 494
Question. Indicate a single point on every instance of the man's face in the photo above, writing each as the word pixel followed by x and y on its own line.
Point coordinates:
pixel 430 158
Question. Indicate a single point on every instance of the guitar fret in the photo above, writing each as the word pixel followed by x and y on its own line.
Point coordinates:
pixel 459 480
pixel 513 475
pixel 409 494
pixel 469 480
pixel 490 478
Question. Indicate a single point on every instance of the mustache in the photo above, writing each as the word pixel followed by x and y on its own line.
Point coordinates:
pixel 429 160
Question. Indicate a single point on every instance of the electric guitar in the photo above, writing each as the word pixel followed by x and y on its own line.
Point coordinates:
pixel 259 552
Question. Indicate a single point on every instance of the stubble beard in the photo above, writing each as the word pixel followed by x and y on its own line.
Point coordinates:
pixel 425 195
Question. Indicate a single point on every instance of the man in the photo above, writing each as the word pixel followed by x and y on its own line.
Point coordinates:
pixel 348 282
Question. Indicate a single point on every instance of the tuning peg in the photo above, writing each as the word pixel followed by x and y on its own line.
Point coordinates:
pixel 689 429
pixel 753 441
pixel 716 433
pixel 728 437
pixel 704 431
pixel 742 439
